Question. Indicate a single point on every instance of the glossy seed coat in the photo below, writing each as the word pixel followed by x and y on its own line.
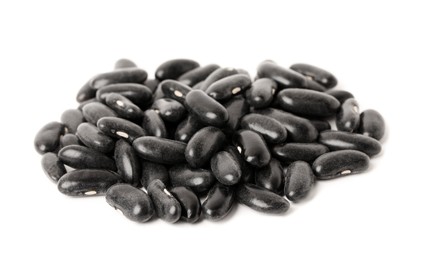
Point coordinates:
pixel 94 138
pixel 173 69
pixel 139 94
pixel 340 95
pixel 72 118
pixel 92 112
pixel 153 171
pixel 291 152
pixel 189 203
pixel 347 118
pixel 160 150
pixel 196 75
pixel 225 88
pixel 124 64
pixel 206 109
pixel 299 181
pixel 170 110
pixel 199 180
pixel 261 199
pixel 80 157
pixel 47 138
pixel 166 205
pixel 52 166
pixel 271 130
pixel 85 93
pixel 125 75
pixel 175 90
pixel 123 107
pixel 237 107
pixel 218 75
pixel 252 147
pixel 127 162
pixel 271 177
pixel 372 124
pixel 317 74
pixel 153 124
pixel 187 128
pixel 226 168
pixel 285 78
pixel 68 139
pixel 219 202
pixel 261 93
pixel 120 128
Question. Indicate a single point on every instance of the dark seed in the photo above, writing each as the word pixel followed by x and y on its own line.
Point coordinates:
pixel 170 110
pixel 218 75
pixel 285 78
pixel 189 203
pixel 173 69
pixel 225 88
pixel 261 93
pixel 341 95
pixel 199 180
pixel 139 94
pixel 196 75
pixel 166 206
pixel 253 148
pixel 187 128
pixel 271 177
pixel 123 107
pixel 152 84
pixel 347 118
pixel 319 75
pixel 125 75
pixel 299 181
pixel 226 168
pixel 175 90
pixel 320 125
pixel 124 64
pixel 69 139
pixel 291 152
pixel 83 103
pixel 160 150
pixel 52 166
pixel 206 109
pixel 270 129
pixel 72 118
pixel 120 128
pixel 92 112
pixel 219 202
pixel 153 171
pixel 127 162
pixel 261 199
pixel 372 124
pixel 237 107
pixel 93 138
pixel 80 157
pixel 85 93
pixel 47 138
pixel 153 124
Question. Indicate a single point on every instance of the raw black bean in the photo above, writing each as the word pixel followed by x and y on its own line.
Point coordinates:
pixel 120 128
pixel 338 140
pixel 285 78
pixel 134 203
pixel 237 107
pixel 261 199
pixel 320 125
pixel 340 163
pixel 313 85
pixel 153 124
pixel 225 88
pixel 93 138
pixel 153 171
pixel 158 93
pixel 341 95
pixel 307 102
pixel 68 139
pixel 152 84
pixel 127 162
pixel 243 72
pixel 347 118
pixel 199 180
pixel 166 206
pixel 372 124
pixel 219 202
pixel 206 109
pixel 124 64
pixel 173 69
pixel 196 75
pixel 92 112
pixel 47 138
pixel 175 90
pixel 85 93
pixel 125 75
pixel 261 93
pixel 187 128
pixel 319 75
pixel 226 168
pixel 160 150
pixel 87 182
pixel 291 152
pixel 271 177
pixel 80 157
pixel 253 148
pixel 203 145
pixel 218 75
pixel 52 166
pixel 83 103
pixel 139 94
pixel 271 130
pixel 72 118
pixel 189 203
pixel 123 107
pixel 299 181
pixel 199 85
pixel 170 110
pixel 247 171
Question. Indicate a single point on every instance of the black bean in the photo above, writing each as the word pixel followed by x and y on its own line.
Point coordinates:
pixel 225 88
pixel 152 84
pixel 290 152
pixel 341 95
pixel 372 124
pixel 166 206
pixel 72 118
pixel 187 128
pixel 86 93
pixel 175 90
pixel 80 157
pixel 299 181
pixel 125 75
pixel 247 171
pixel 271 177
pixel 347 118
pixel 139 94
pixel 206 109
pixel 319 75
pixel 153 124
pixel 134 203
pixel 271 130
pixel 124 64
pixel 261 93
pixel 199 180
pixel 69 139
pixel 123 107
pixel 173 69
pixel 52 166
pixel 160 150
pixel 87 182
pixel 219 202
pixel 153 171
pixel 226 168
pixel 253 148
pixel 127 162
pixel 340 163
pixel 94 138
pixel 170 110
pixel 83 103
pixel 237 107
pixel 320 125
pixel 313 85
pixel 47 138
pixel 199 85
pixel 120 128
pixel 196 75
pixel 218 75
pixel 285 78
pixel 261 199
pixel 189 203
pixel 92 112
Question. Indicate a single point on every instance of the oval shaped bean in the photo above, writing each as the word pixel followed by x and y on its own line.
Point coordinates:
pixel 261 93
pixel 68 139
pixel 219 202
pixel 347 118
pixel 72 118
pixel 170 110
pixel 271 177
pixel 372 124
pixel 225 88
pixel 226 168
pixel 218 75
pixel 152 84
pixel 153 124
pixel 139 94
pixel 206 109
pixel 52 166
pixel 253 148
pixel 134 203
pixel 261 199
pixel 166 206
pixel 340 163
pixel 189 203
pixel 127 162
pixel 92 112
pixel 83 103
pixel 125 75
pixel 340 95
pixel 308 102
pixel 271 130
pixel 173 69
pixel 199 180
pixel 47 138
pixel 196 75
pixel 291 152
pixel 320 125
pixel 93 138
pixel 175 90
pixel 160 150
pixel 247 171
pixel 124 64
pixel 203 145
pixel 187 128
pixel 153 171
pixel 338 140
pixel 123 107
pixel 319 75
pixel 299 181
pixel 85 93
pixel 237 107
pixel 120 128
pixel 80 157
pixel 285 78
pixel 87 182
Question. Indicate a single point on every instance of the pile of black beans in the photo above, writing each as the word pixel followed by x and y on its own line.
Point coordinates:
pixel 196 140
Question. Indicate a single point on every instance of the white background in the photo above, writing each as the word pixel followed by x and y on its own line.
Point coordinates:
pixel 377 50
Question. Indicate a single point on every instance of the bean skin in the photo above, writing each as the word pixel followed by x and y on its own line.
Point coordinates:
pixel 271 177
pixel 120 128
pixel 291 152
pixel 247 171
pixel 124 64
pixel 225 88
pixel 271 130
pixel 199 180
pixel 85 93
pixel 175 90
pixel 196 75
pixel 320 125
pixel 340 95
pixel 299 181
pixel 347 118
pixel 125 75
pixel 219 202
pixel 153 171
pixel 152 84
pixel 226 168
pixel 47 138
pixel 261 93
pixel 80 157
pixel 187 128
pixel 319 75
pixel 93 138
pixel 261 199
pixel 153 124
pixel 127 162
pixel 72 118
pixel 253 148
pixel 285 78
pixel 173 69
pixel 52 166
pixel 372 124
pixel 166 205
pixel 189 202
pixel 206 109
pixel 123 107
pixel 92 112
pixel 83 103
pixel 68 139
pixel 139 94
pixel 170 110
pixel 218 75
pixel 160 150
pixel 237 107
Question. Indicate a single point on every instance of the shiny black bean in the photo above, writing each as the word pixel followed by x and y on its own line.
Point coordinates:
pixel 347 118
pixel 170 110
pixel 166 205
pixel 92 112
pixel 226 168
pixel 175 90
pixel 203 145
pixel 313 85
pixel 271 130
pixel 307 102
pixel 247 171
pixel 341 95
pixel 125 75
pixel 153 124
pixel 219 202
pixel 372 124
pixel 83 103
pixel 290 152
pixel 72 118
pixel 299 181
pixel 153 171
pixel 93 138
pixel 120 128
pixel 189 203
pixel 199 85
pixel 139 94
pixel 253 148
pixel 52 166
pixel 80 157
pixel 218 75
pixel 187 128
pixel 206 109
pixel 320 125
pixel 47 138
pixel 319 75
pixel 124 64
pixel 196 75
pixel 271 177
pixel 69 139
pixel 152 84
pixel 237 107
pixel 199 180
pixel 340 163
pixel 298 129
pixel 285 78
pixel 123 107
pixel 160 150
pixel 85 93
pixel 134 203
pixel 158 94
pixel 338 140
pixel 127 162
pixel 261 199
pixel 173 69
pixel 87 182
pixel 225 88
pixel 261 93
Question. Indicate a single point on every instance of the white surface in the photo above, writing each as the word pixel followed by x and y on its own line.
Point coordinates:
pixel 48 49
